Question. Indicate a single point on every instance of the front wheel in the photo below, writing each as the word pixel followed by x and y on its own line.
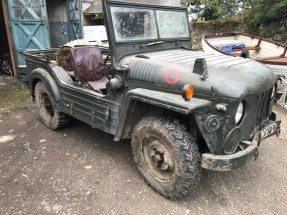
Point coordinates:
pixel 167 156
pixel 51 117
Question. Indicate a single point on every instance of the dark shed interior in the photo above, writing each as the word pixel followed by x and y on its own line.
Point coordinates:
pixel 4 46
pixel 58 22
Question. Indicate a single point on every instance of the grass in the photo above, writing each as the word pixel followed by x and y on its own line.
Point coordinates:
pixel 12 95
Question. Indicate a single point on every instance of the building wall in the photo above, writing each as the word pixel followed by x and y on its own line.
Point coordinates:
pixel 58 22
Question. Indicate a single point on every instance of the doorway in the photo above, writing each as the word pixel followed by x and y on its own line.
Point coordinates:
pixel 64 17
pixel 5 58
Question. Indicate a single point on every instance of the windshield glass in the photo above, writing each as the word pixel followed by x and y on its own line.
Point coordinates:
pixel 172 24
pixel 133 24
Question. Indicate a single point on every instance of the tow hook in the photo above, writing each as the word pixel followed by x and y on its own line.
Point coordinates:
pixel 258 138
pixel 278 132
pixel 256 153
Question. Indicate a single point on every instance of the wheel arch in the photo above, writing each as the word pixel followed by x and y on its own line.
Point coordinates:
pixel 42 75
pixel 138 109
pixel 137 106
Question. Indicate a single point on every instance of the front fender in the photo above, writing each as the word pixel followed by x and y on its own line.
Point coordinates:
pixel 164 100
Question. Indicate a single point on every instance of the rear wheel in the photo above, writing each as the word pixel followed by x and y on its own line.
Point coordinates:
pixel 167 156
pixel 51 117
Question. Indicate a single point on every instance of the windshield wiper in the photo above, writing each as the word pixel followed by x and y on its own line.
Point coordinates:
pixel 185 47
pixel 151 44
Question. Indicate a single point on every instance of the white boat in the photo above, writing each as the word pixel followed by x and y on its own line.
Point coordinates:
pixel 263 50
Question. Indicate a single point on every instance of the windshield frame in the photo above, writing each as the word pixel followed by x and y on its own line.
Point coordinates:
pixel 119 50
pixel 157 28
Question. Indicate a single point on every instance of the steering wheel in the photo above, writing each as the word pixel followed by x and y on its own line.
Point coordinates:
pixel 108 61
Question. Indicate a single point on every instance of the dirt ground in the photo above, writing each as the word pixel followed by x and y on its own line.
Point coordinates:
pixel 80 170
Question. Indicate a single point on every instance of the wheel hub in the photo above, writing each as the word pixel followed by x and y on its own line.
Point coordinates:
pixel 158 159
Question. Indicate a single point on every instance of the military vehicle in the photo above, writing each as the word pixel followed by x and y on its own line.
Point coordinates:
pixel 183 110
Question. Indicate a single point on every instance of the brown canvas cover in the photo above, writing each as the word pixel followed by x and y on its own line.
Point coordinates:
pixel 63 57
pixel 87 63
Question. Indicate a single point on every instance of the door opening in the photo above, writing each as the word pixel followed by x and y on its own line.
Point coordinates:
pixel 5 58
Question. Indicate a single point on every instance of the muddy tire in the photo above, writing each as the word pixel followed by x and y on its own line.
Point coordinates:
pixel 167 156
pixel 51 117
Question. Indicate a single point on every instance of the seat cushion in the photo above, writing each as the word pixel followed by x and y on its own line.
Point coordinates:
pixel 99 85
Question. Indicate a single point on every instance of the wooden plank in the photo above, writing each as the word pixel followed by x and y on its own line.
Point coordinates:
pixel 284 52
pixel 247 48
pixel 275 60
pixel 5 10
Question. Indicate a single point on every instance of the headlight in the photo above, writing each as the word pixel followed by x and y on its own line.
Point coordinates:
pixel 273 92
pixel 239 113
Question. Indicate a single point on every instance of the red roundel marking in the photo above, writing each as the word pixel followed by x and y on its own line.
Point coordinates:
pixel 174 80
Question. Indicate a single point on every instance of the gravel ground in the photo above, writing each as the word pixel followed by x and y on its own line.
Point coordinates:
pixel 80 170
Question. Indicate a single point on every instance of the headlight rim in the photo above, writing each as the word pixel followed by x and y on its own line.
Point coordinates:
pixel 239 120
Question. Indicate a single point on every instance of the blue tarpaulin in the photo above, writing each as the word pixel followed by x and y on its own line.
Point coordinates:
pixel 228 49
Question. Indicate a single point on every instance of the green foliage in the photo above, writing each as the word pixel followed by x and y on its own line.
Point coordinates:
pixel 217 9
pixel 269 17
pixel 268 11
pixel 266 18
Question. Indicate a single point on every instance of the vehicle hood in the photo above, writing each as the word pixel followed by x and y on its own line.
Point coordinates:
pixel 232 77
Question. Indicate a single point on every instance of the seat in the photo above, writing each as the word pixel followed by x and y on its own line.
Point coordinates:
pixel 88 66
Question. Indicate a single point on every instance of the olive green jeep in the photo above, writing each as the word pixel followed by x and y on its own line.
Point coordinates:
pixel 182 109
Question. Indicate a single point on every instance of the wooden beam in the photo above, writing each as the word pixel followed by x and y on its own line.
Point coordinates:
pixel 246 48
pixel 10 42
pixel 284 52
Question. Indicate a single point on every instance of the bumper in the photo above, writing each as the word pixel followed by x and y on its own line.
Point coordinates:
pixel 236 160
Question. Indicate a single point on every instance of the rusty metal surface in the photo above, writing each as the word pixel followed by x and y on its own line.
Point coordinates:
pixel 238 159
pixel 227 162
pixel 96 6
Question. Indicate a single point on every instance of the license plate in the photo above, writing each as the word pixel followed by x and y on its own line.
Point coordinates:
pixel 268 130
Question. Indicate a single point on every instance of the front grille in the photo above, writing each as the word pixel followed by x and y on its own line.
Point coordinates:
pixel 256 115
pixel 262 108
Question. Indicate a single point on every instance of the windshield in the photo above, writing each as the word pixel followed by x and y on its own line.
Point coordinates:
pixel 133 24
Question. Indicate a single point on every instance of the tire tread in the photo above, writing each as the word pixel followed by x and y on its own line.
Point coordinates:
pixel 185 148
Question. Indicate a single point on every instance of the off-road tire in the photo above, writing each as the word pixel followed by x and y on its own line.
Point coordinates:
pixel 181 149
pixel 50 116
